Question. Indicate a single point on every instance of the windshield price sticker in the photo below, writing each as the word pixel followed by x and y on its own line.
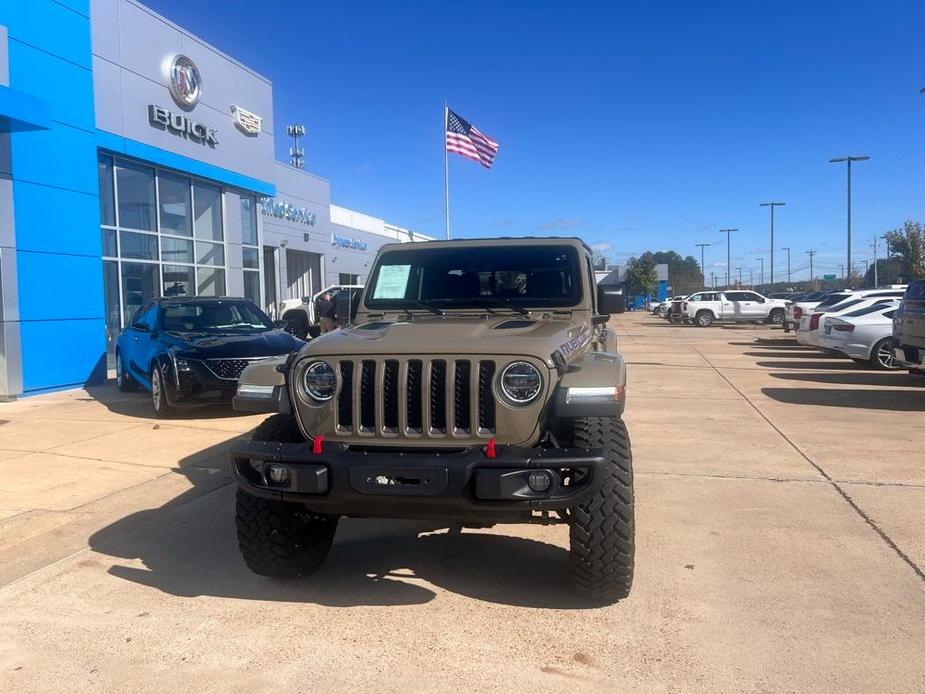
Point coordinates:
pixel 392 282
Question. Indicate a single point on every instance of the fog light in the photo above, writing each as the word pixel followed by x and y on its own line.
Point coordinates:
pixel 277 474
pixel 539 481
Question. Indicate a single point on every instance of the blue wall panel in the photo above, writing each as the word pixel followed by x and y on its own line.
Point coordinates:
pixel 51 26
pixel 62 353
pixel 55 195
pixel 75 292
pixel 48 220
pixel 68 87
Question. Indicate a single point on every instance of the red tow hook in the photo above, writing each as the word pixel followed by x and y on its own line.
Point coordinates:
pixel 318 444
pixel 490 450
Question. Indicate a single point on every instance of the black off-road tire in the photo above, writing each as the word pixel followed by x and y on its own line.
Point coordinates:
pixel 297 325
pixel 602 530
pixel 278 538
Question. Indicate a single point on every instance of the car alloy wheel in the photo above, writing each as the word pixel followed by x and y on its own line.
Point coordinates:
pixel 120 377
pixel 157 392
pixel 885 357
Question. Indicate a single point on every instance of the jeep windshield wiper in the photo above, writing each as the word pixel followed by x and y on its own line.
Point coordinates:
pixel 415 303
pixel 487 302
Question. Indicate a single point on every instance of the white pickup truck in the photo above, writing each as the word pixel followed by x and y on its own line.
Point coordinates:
pixel 704 308
pixel 299 314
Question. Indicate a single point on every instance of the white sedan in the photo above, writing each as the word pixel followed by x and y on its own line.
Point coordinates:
pixel 865 335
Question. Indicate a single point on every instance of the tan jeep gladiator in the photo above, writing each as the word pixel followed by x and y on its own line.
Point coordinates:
pixel 477 384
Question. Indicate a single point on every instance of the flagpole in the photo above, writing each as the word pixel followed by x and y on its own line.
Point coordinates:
pixel 446 171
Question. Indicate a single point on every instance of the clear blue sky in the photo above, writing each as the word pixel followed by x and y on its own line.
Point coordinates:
pixel 635 125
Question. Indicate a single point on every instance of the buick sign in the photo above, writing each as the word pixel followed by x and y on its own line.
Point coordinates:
pixel 184 81
pixel 181 125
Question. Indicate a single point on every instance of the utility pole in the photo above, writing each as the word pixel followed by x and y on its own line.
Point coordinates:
pixel 788 264
pixel 740 275
pixel 751 278
pixel 728 233
pixel 703 269
pixel 761 260
pixel 713 280
pixel 849 160
pixel 812 280
pixel 772 205
pixel 876 282
pixel 841 270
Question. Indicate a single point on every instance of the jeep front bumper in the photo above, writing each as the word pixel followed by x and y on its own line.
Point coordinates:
pixel 461 484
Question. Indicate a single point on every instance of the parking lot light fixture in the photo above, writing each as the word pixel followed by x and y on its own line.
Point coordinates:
pixel 848 161
pixel 728 252
pixel 785 248
pixel 703 270
pixel 772 205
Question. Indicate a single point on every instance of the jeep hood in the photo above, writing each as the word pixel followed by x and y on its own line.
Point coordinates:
pixel 448 335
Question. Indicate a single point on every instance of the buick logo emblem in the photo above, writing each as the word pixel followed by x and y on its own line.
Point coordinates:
pixel 184 81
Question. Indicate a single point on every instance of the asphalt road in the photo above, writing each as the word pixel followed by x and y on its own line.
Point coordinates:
pixel 780 547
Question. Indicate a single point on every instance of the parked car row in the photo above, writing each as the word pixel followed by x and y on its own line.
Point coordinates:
pixel 866 325
pixel 704 308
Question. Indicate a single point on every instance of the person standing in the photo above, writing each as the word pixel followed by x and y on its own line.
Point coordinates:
pixel 324 310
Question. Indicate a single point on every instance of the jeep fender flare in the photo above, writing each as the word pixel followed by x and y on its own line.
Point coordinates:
pixel 266 372
pixel 594 370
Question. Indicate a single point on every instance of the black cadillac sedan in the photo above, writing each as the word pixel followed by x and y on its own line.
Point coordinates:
pixel 191 351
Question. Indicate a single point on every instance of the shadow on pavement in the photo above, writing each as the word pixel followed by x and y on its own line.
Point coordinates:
pixel 858 378
pixel 791 354
pixel 838 364
pixel 896 400
pixel 772 342
pixel 138 404
pixel 188 548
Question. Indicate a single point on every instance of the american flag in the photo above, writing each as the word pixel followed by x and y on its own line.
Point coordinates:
pixel 464 138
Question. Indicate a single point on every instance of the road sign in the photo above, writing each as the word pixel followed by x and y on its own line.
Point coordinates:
pixel 828 277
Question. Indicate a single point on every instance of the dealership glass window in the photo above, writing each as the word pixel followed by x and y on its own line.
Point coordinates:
pixel 110 249
pixel 111 299
pixel 252 287
pixel 138 246
pixel 139 282
pixel 249 220
pixel 107 195
pixel 175 204
pixel 176 250
pixel 135 196
pixel 207 221
pixel 348 278
pixel 251 258
pixel 210 253
pixel 210 282
pixel 179 280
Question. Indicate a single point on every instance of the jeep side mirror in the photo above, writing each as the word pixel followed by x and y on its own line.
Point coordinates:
pixel 610 298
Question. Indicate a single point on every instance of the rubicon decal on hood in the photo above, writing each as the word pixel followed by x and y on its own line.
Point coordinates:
pixel 566 349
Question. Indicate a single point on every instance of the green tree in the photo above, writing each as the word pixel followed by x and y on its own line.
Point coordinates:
pixel 640 275
pixel 907 245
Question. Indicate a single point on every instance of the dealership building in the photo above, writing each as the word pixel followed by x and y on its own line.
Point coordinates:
pixel 138 161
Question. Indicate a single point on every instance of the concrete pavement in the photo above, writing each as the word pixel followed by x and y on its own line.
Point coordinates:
pixel 779 548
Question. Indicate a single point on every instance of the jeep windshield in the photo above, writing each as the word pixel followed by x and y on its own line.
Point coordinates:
pixel 516 277
pixel 215 317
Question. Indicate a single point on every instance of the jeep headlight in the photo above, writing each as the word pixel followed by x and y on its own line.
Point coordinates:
pixel 319 381
pixel 521 382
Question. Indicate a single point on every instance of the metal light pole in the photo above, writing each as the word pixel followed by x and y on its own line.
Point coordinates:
pixel 761 276
pixel 740 275
pixel 772 205
pixel 788 263
pixel 728 252
pixel 703 269
pixel 838 160
pixel 811 279
pixel 841 270
pixel 751 278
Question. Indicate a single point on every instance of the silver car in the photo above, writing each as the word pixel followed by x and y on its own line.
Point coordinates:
pixel 865 335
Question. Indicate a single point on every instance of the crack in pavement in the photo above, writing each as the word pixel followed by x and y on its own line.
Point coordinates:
pixel 759 478
pixel 828 478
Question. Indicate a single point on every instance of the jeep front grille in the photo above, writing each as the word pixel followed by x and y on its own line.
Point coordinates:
pixel 416 398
